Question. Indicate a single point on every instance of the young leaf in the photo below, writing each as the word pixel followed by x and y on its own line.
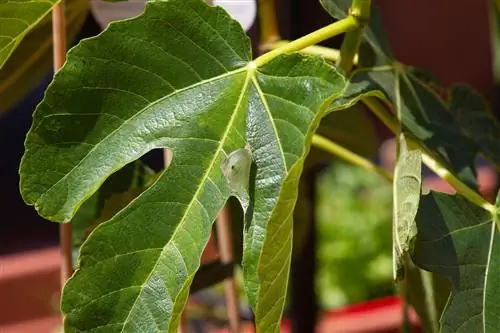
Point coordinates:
pixel 32 59
pixel 179 76
pixel 422 112
pixel 17 18
pixel 476 120
pixel 407 186
pixel 461 241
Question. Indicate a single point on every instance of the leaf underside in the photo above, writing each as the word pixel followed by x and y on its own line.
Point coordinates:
pixel 460 241
pixel 423 113
pixel 132 89
pixel 477 121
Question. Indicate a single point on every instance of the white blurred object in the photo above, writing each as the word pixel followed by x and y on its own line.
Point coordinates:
pixel 106 12
pixel 243 11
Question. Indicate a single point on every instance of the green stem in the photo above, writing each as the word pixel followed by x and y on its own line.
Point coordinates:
pixel 347 155
pixel 269 31
pixel 430 299
pixel 337 28
pixel 393 124
pixel 350 46
pixel 322 51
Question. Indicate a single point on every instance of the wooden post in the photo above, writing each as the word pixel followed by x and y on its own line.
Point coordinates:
pixel 225 244
pixel 59 50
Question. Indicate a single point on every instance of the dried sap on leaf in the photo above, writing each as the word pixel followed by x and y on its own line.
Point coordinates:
pixel 236 168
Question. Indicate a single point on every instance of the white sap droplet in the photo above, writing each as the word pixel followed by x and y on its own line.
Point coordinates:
pixel 236 169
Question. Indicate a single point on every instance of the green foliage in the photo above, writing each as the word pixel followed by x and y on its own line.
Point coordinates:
pixel 116 193
pixel 32 59
pixel 354 236
pixel 110 104
pixel 459 240
pixel 428 293
pixel 17 18
pixel 181 76
pixel 476 120
pixel 423 114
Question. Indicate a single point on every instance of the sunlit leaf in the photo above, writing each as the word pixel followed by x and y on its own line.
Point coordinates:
pixel 179 76
pixel 461 241
pixel 32 59
pixel 17 18
pixel 117 192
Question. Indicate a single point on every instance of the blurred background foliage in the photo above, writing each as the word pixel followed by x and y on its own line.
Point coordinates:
pixel 353 236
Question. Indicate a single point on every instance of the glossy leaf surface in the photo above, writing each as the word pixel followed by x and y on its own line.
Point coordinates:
pixel 17 18
pixel 116 193
pixel 130 90
pixel 461 241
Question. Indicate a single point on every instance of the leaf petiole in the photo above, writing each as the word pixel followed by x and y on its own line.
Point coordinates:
pixel 334 29
pixel 347 155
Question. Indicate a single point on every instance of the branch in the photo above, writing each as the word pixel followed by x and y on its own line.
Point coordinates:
pixel 337 28
pixel 347 155
pixel 360 9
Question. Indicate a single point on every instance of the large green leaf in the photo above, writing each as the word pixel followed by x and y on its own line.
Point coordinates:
pixel 32 59
pixel 476 120
pixel 423 113
pixel 178 76
pixel 117 192
pixel 461 241
pixel 406 188
pixel 292 96
pixel 17 18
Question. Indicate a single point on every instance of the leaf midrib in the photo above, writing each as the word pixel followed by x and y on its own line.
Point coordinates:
pixel 250 74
